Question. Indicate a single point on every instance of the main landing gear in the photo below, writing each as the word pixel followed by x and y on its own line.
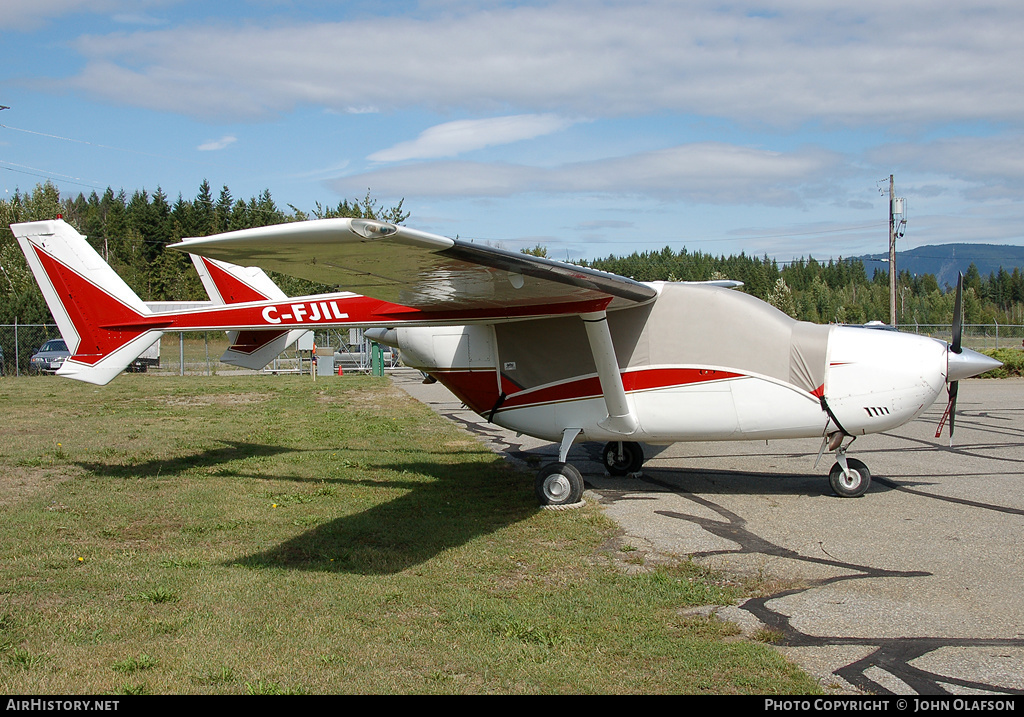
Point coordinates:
pixel 622 458
pixel 560 485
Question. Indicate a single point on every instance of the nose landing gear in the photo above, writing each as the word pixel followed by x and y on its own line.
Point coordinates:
pixel 849 477
pixel 852 481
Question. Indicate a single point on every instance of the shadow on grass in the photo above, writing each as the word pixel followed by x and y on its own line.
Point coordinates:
pixel 157 467
pixel 444 505
pixel 462 501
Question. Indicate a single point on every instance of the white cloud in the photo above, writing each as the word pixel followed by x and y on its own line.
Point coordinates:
pixel 21 15
pixel 133 18
pixel 706 172
pixel 972 158
pixel 984 168
pixel 838 63
pixel 217 144
pixel 454 138
pixel 597 224
pixel 938 81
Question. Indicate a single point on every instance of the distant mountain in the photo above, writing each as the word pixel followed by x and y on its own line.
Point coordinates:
pixel 945 260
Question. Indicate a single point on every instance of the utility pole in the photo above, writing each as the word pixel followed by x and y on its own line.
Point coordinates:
pixel 897 228
pixel 892 256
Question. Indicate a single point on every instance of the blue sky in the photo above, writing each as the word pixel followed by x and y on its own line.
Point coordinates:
pixel 592 127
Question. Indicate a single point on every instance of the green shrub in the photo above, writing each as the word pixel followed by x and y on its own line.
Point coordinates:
pixel 1013 363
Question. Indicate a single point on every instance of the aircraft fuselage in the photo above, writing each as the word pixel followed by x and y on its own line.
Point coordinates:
pixel 764 376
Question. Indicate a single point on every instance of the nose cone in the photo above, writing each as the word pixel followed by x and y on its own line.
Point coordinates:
pixel 969 363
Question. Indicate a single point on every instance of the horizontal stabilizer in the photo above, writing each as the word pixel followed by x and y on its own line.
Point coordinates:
pixel 256 349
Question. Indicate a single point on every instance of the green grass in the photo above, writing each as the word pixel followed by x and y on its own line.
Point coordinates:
pixel 272 535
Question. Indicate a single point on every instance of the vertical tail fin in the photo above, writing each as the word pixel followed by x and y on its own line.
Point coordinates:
pixel 104 323
pixel 227 283
pixel 232 284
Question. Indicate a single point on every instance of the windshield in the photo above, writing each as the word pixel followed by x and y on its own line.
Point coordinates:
pixel 55 345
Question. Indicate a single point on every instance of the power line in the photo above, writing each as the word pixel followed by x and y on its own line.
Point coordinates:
pixel 116 149
pixel 44 174
pixel 88 143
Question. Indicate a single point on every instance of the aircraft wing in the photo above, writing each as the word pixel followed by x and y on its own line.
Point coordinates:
pixel 423 271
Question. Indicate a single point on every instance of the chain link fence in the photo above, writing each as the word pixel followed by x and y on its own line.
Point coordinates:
pixel 979 337
pixel 18 342
pixel 198 353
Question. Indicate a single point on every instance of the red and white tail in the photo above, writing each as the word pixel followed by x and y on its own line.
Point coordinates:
pixel 232 284
pixel 227 283
pixel 104 323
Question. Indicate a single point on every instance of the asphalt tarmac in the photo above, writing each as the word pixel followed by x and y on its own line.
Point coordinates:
pixel 916 588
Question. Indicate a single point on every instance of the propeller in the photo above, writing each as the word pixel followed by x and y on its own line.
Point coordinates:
pixel 956 348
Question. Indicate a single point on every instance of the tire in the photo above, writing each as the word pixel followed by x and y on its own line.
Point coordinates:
pixel 631 461
pixel 853 485
pixel 559 484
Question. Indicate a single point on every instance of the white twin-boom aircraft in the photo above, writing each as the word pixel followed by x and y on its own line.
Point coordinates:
pixel 548 349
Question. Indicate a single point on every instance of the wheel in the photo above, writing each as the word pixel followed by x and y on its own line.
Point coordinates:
pixel 559 484
pixel 852 485
pixel 631 459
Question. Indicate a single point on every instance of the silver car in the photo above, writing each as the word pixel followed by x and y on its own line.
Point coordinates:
pixel 50 357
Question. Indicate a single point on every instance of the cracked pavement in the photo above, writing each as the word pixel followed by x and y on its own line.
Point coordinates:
pixel 914 588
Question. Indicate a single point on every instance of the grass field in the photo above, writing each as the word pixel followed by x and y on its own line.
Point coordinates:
pixel 269 534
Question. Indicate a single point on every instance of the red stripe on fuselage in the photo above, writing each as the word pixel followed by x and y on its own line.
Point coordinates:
pixel 338 310
pixel 478 389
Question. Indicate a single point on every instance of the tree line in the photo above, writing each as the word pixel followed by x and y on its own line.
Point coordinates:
pixel 836 291
pixel 133 231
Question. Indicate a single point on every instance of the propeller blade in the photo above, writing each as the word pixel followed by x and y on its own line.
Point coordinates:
pixel 950 413
pixel 957 348
pixel 952 408
pixel 942 421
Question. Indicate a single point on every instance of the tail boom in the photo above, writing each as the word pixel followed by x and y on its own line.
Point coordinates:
pixel 107 326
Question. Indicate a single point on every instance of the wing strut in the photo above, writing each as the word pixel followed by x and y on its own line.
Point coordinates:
pixel 620 418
